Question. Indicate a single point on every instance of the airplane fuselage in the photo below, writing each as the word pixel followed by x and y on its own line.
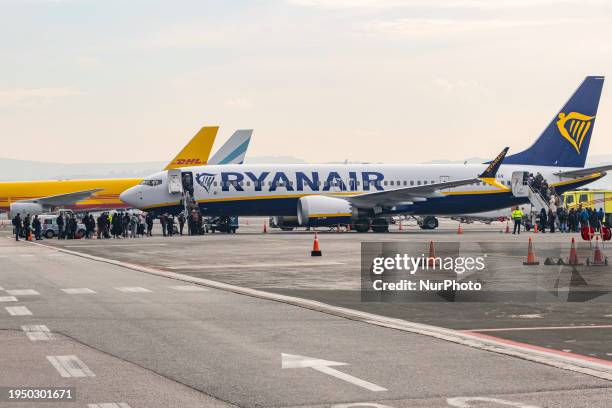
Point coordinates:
pixel 269 190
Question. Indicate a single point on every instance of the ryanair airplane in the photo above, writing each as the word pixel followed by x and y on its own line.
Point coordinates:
pixel 365 195
pixel 37 197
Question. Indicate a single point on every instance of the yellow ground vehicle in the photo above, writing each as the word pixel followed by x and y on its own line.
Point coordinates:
pixel 594 199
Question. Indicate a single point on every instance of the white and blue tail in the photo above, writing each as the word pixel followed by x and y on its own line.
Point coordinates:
pixel 565 142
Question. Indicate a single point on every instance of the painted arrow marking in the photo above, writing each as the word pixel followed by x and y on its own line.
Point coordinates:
pixel 325 367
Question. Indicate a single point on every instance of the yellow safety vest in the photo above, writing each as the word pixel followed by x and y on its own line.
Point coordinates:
pixel 517 214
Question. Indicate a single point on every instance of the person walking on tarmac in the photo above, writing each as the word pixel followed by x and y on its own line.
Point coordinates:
pixel 37 227
pixel 149 222
pixel 543 220
pixel 517 216
pixel 170 225
pixel 60 226
pixel 26 226
pixel 600 216
pixel 181 220
pixel 551 220
pixel 18 224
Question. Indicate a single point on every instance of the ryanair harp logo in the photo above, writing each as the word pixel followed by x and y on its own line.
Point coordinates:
pixel 574 126
pixel 205 180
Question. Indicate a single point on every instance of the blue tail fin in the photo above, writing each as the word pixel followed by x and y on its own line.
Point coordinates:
pixel 565 142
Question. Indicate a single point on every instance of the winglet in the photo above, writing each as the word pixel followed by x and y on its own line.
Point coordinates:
pixel 491 171
pixel 488 176
pixel 197 151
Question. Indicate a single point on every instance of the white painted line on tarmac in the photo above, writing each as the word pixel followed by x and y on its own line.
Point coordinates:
pixel 503 329
pixel 70 366
pixel 135 289
pixel 110 245
pixel 8 299
pixel 37 332
pixel 26 255
pixel 18 311
pixel 23 292
pixel 256 265
pixel 189 288
pixel 577 363
pixel 325 367
pixel 78 291
pixel 464 402
pixel 109 405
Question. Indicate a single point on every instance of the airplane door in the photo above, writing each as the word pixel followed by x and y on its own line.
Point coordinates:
pixel 187 182
pixel 175 185
pixel 519 184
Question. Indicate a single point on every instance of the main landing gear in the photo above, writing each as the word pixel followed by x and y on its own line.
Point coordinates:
pixel 376 224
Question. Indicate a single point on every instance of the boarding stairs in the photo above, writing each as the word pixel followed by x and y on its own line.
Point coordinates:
pixel 521 188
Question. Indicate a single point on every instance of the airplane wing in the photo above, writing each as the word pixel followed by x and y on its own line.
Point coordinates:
pixel 62 199
pixel 584 172
pixel 234 150
pixel 408 195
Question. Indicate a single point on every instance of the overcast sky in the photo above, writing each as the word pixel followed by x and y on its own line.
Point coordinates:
pixel 372 80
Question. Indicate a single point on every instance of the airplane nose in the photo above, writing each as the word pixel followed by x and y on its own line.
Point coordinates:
pixel 130 197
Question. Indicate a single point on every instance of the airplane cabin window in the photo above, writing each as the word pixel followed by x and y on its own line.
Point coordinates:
pixel 418 182
pixel 151 183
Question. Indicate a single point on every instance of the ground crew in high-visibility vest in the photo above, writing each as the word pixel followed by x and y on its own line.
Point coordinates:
pixel 517 216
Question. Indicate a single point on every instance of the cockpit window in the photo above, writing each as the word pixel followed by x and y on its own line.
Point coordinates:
pixel 151 183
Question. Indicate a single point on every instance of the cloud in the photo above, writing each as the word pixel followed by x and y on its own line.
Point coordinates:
pixel 28 97
pixel 238 103
pixel 472 4
pixel 189 36
pixel 425 26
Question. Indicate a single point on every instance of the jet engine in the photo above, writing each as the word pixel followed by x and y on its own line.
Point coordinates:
pixel 25 208
pixel 323 210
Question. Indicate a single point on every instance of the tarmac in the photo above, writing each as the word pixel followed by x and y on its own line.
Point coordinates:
pixel 252 320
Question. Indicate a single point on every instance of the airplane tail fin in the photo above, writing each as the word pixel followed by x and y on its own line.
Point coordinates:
pixel 197 151
pixel 234 150
pixel 565 142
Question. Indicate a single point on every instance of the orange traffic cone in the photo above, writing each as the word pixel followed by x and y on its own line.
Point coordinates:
pixel 29 235
pixel 459 230
pixel 573 257
pixel 535 228
pixel 598 258
pixel 431 259
pixel 531 259
pixel 348 227
pixel 316 251
pixel 265 230
pixel 507 228
pixel 338 228
pixel 400 226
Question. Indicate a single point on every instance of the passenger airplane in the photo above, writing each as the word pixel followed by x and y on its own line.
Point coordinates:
pixel 36 197
pixel 366 195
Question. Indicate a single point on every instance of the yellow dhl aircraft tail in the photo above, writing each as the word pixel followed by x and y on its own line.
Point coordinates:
pixel 197 151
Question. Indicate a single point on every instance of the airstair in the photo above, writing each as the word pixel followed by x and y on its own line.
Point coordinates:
pixel 521 188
